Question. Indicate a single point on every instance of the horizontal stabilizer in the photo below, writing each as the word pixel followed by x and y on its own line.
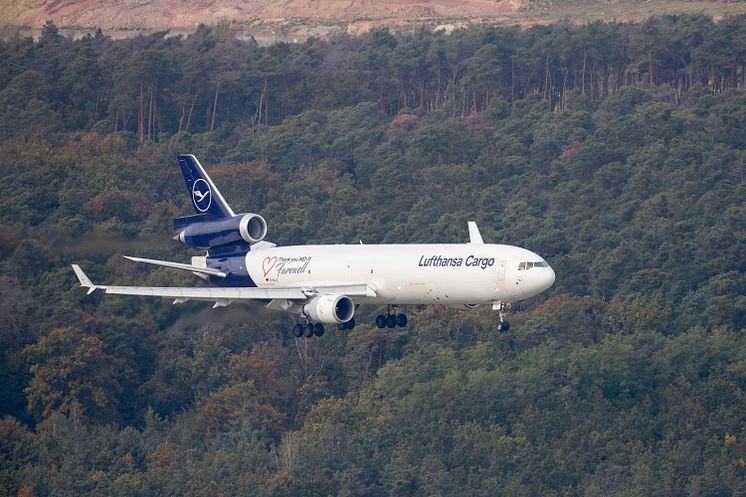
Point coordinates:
pixel 178 265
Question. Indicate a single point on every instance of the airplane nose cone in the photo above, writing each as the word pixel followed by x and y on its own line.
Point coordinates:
pixel 548 278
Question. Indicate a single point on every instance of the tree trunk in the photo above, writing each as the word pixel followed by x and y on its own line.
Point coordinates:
pixel 422 93
pixel 582 76
pixel 564 88
pixel 512 81
pixel 261 101
pixel 266 107
pixel 620 79
pixel 734 76
pixel 650 68
pixel 189 118
pixel 453 84
pixel 157 116
pixel 606 82
pixel 140 115
pixel 150 114
pixel 545 93
pixel 183 115
pixel 215 105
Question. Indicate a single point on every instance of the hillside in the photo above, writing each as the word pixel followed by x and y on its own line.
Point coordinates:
pixel 318 17
pixel 616 151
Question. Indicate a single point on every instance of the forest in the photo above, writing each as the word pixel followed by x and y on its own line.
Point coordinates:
pixel 614 150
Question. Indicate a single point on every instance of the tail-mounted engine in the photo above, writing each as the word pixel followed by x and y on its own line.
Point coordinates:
pixel 247 228
pixel 330 309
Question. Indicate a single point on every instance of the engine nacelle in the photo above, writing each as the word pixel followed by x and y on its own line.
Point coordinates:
pixel 330 309
pixel 253 228
pixel 249 228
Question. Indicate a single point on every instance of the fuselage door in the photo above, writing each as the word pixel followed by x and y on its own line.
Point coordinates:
pixel 501 270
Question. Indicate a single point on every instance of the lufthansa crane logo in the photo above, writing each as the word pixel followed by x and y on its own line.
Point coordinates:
pixel 201 195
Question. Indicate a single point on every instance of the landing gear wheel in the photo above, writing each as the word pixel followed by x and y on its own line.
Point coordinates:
pixel 391 321
pixel 318 329
pixel 346 325
pixel 381 321
pixel 298 330
pixel 401 320
pixel 503 326
pixel 308 330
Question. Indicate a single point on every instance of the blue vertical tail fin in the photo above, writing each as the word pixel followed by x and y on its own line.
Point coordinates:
pixel 208 203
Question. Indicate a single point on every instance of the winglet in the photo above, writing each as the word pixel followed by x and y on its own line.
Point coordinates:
pixel 474 235
pixel 83 279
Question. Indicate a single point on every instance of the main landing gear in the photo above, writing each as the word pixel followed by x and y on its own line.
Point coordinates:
pixel 391 319
pixel 346 326
pixel 503 324
pixel 308 330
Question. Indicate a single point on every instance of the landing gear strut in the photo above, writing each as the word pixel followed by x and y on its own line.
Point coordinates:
pixel 503 324
pixel 391 319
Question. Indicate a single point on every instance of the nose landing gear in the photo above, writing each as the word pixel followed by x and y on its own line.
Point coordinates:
pixel 391 319
pixel 503 325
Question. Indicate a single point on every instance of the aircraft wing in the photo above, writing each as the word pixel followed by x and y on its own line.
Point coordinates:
pixel 224 295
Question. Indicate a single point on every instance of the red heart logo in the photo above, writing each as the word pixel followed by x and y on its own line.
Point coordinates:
pixel 267 264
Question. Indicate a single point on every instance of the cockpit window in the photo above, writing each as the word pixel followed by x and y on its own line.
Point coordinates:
pixel 525 266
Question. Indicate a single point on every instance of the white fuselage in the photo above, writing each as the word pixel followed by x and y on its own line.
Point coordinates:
pixel 469 273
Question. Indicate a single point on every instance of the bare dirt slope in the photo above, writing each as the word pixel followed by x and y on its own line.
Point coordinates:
pixel 351 15
pixel 185 14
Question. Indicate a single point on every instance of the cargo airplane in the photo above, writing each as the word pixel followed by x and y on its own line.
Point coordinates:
pixel 324 284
